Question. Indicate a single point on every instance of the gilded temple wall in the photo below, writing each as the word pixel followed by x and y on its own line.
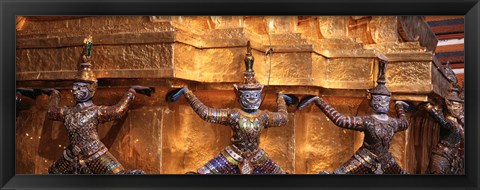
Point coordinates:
pixel 331 56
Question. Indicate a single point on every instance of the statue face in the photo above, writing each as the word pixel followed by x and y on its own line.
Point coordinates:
pixel 81 92
pixel 380 104
pixel 454 108
pixel 250 100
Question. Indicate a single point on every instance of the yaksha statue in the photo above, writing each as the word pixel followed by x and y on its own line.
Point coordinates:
pixel 373 156
pixel 243 156
pixel 86 154
pixel 446 157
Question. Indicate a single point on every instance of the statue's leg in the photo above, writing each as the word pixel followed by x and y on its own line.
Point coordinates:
pixel 395 169
pixel 105 164
pixel 219 165
pixel 457 166
pixel 61 166
pixel 438 164
pixel 354 166
pixel 268 167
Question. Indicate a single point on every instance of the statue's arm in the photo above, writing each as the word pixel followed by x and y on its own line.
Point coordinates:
pixel 279 118
pixel 117 111
pixel 402 118
pixel 212 115
pixel 438 116
pixel 55 111
pixel 353 123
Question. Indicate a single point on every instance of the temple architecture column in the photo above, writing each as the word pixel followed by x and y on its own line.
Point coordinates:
pixel 303 55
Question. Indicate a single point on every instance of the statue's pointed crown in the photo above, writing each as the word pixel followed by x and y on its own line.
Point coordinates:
pixel 452 78
pixel 381 88
pixel 85 73
pixel 455 94
pixel 249 81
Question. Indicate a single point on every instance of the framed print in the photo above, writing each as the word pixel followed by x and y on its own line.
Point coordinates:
pixel 299 94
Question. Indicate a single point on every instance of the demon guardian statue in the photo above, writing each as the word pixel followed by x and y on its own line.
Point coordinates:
pixel 446 157
pixel 243 156
pixel 86 154
pixel 373 156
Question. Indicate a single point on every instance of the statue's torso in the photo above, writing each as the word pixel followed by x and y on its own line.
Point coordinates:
pixel 246 132
pixel 379 134
pixel 81 126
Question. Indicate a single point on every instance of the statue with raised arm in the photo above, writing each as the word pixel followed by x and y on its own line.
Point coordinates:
pixel 446 157
pixel 243 156
pixel 86 154
pixel 373 157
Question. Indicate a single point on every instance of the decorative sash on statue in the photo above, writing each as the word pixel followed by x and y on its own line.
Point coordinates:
pixel 244 160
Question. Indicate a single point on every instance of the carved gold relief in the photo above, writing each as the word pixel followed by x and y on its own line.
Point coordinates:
pixel 281 24
pixel 399 74
pixel 215 44
pixel 384 29
pixel 359 28
pixel 333 26
pixel 309 27
pixel 225 22
pixel 256 24
pixel 330 56
pixel 348 73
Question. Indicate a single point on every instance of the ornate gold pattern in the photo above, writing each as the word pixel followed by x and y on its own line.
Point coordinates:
pixel 317 56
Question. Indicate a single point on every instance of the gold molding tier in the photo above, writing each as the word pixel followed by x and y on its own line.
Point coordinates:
pixel 327 52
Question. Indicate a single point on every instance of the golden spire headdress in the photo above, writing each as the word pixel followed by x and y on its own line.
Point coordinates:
pixel 249 82
pixel 454 87
pixel 381 88
pixel 85 73
pixel 452 78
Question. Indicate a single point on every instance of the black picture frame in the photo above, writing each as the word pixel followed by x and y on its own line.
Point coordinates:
pixel 9 9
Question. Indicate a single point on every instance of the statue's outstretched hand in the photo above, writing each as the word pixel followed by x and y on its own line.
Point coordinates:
pixel 29 92
pixel 143 90
pixel 402 103
pixel 289 99
pixel 175 94
pixel 424 105
pixel 429 106
pixel 306 100
pixel 48 91
pixel 407 106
